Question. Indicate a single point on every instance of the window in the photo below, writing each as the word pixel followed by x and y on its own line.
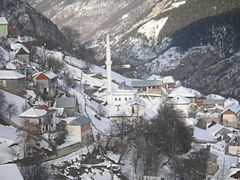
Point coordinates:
pixel 119 99
pixel 115 99
pixel 125 99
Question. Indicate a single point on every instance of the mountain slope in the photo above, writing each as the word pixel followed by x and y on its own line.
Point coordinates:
pixel 31 23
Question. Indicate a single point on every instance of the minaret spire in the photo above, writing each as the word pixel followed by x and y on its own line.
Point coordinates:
pixel 108 63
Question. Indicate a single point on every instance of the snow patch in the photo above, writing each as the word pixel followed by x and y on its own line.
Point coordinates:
pixel 152 28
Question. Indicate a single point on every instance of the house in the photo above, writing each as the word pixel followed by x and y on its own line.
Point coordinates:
pixel 148 86
pixel 80 129
pixel 120 97
pixel 46 83
pixel 138 107
pixel 21 52
pixel 231 115
pixel 185 92
pixel 3 27
pixel 182 104
pixel 168 82
pixel 10 172
pixel 230 101
pixel 13 81
pixel 69 105
pixel 233 147
pixel 212 103
pixel 39 119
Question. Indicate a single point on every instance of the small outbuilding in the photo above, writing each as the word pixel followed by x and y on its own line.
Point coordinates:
pixel 69 105
pixel 13 82
pixel 80 129
pixel 3 27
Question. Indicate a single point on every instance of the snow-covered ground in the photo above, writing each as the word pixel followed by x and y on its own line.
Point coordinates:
pixel 18 101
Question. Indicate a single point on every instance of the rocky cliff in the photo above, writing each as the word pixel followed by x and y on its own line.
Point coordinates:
pixel 30 22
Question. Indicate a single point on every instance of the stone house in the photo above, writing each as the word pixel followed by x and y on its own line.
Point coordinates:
pixel 3 27
pixel 22 53
pixel 39 119
pixel 69 106
pixel 13 82
pixel 231 115
pixel 45 83
pixel 80 129
pixel 233 147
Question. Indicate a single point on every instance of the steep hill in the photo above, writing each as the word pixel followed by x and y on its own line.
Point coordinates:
pixel 30 22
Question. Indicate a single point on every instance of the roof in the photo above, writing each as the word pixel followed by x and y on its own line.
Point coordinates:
pixel 214 97
pixel 80 120
pixel 3 20
pixel 34 113
pixel 144 83
pixel 10 172
pixel 66 102
pixel 180 100
pixel 213 102
pixel 50 75
pixel 155 77
pixel 136 101
pixel 230 101
pixel 185 92
pixel 168 79
pixel 232 107
pixel 17 47
pixel 124 86
pixel 5 74
pixel 46 75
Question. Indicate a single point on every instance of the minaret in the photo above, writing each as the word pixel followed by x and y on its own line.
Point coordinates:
pixel 108 63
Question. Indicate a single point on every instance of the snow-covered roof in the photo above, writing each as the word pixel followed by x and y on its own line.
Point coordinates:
pixel 66 102
pixel 5 74
pixel 155 77
pixel 233 107
pixel 178 100
pixel 233 171
pixel 80 120
pixel 10 172
pixel 16 47
pixel 230 101
pixel 215 128
pixel 168 79
pixel 215 97
pixel 185 92
pixel 50 75
pixel 11 66
pixel 146 83
pixel 137 101
pixel 34 113
pixel 3 20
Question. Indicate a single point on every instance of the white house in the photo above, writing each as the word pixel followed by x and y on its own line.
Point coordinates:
pixel 185 92
pixel 181 103
pixel 231 116
pixel 168 82
pixel 3 27
pixel 40 119
pixel 21 52
pixel 80 129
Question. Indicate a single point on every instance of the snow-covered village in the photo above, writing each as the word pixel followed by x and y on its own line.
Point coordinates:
pixel 64 116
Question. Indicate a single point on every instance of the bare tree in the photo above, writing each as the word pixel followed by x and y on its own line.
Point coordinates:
pixel 31 165
pixel 54 64
pixel 3 102
pixel 72 36
pixel 11 109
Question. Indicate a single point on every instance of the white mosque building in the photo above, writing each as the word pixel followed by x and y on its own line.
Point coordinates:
pixel 119 99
